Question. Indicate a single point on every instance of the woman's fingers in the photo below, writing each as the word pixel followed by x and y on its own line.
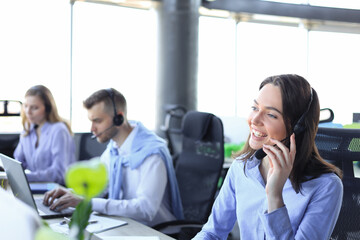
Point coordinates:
pixel 279 155
pixel 289 153
pixel 292 147
pixel 274 155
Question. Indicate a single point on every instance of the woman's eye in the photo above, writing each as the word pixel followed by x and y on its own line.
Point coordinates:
pixel 272 116
pixel 254 108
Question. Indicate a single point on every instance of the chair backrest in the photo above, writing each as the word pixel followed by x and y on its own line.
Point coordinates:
pixel 200 163
pixel 347 225
pixel 8 143
pixel 339 146
pixel 342 147
pixel 87 147
pixel 172 127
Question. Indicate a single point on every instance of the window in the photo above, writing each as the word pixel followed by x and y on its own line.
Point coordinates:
pixel 265 50
pixel 117 47
pixel 217 66
pixel 114 47
pixel 334 72
pixel 35 49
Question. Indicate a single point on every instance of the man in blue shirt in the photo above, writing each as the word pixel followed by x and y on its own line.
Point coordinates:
pixel 142 182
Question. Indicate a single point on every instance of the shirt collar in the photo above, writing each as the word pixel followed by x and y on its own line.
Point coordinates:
pixel 252 162
pixel 125 148
pixel 43 128
pixel 252 170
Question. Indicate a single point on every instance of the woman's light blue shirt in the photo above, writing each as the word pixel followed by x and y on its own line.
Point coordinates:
pixel 55 152
pixel 310 214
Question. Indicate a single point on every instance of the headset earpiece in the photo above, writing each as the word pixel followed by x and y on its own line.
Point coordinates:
pixel 118 118
pixel 47 108
pixel 300 124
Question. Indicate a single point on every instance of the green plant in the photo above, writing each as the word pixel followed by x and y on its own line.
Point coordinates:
pixel 87 179
pixel 231 148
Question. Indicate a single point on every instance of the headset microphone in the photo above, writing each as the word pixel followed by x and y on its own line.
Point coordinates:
pixel 259 154
pixel 298 128
pixel 96 135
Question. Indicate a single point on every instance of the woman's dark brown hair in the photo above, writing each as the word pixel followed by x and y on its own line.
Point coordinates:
pixel 297 101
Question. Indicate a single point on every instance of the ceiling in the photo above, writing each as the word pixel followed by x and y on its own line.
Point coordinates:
pixel 311 17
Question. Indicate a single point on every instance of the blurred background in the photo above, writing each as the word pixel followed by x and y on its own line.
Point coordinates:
pixel 78 47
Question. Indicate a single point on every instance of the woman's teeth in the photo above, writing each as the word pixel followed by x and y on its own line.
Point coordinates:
pixel 258 134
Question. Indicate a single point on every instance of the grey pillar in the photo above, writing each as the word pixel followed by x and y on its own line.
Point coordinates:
pixel 178 22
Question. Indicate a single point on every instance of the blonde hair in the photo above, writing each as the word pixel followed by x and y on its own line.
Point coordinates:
pixel 51 111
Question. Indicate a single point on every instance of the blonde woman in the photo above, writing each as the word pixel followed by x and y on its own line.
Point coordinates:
pixel 46 146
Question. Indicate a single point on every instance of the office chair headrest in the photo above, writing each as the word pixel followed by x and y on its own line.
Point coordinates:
pixel 195 124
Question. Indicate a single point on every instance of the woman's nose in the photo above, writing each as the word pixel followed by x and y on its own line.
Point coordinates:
pixel 257 118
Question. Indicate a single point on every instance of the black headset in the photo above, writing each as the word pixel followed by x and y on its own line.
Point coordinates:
pixel 300 124
pixel 118 118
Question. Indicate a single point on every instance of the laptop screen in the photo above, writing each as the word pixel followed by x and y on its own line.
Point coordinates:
pixel 21 189
pixel 17 180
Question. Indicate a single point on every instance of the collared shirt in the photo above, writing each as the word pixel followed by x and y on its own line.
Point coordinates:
pixel 49 160
pixel 144 194
pixel 310 214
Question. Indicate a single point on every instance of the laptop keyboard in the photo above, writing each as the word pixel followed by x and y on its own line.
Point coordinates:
pixel 47 211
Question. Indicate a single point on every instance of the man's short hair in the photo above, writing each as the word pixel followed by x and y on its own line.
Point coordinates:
pixel 103 95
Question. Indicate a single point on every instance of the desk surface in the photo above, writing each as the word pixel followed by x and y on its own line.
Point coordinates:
pixel 132 228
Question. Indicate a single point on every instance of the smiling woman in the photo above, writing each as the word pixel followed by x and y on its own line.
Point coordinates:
pixel 292 186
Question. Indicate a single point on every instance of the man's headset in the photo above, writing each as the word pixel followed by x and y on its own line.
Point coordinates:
pixel 118 118
pixel 298 128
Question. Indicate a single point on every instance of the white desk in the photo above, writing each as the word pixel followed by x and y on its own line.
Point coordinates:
pixel 132 228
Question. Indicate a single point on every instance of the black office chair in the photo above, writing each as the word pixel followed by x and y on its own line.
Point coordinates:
pixel 198 169
pixel 342 147
pixel 8 143
pixel 87 147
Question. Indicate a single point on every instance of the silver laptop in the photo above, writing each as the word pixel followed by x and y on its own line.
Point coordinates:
pixel 21 190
